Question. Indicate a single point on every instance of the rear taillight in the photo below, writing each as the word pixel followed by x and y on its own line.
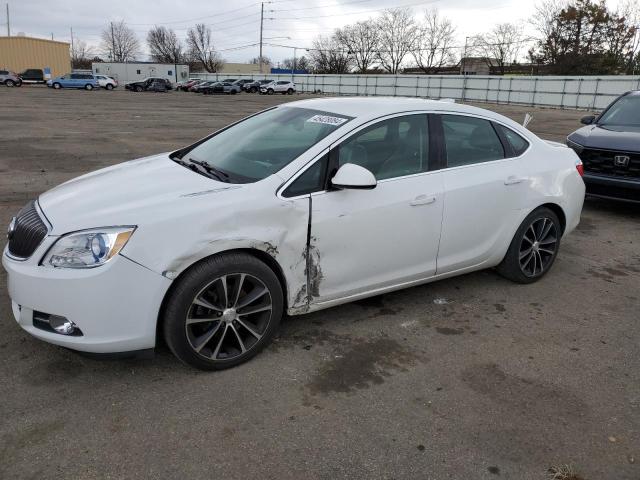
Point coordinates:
pixel 580 168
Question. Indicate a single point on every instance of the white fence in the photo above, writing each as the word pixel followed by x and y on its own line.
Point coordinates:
pixel 590 93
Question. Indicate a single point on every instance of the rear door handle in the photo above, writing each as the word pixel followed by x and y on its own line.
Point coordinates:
pixel 513 180
pixel 423 200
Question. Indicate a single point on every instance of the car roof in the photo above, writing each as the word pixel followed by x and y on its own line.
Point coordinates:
pixel 365 108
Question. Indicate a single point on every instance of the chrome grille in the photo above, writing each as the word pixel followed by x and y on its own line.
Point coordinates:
pixel 28 232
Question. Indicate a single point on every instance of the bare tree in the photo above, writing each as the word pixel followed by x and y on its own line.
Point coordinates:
pixel 81 55
pixel 500 46
pixel 201 48
pixel 434 46
pixel 362 40
pixel 256 61
pixel 164 45
pixel 301 63
pixel 398 32
pixel 119 42
pixel 328 56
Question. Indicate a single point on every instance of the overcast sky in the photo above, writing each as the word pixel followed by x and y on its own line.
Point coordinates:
pixel 236 24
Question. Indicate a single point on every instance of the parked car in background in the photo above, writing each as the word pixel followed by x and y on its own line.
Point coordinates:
pixel 146 83
pixel 74 80
pixel 298 208
pixel 282 86
pixel 32 75
pixel 157 85
pixel 221 87
pixel 228 80
pixel 184 86
pixel 254 87
pixel 609 147
pixel 242 82
pixel 108 83
pixel 9 79
pixel 197 88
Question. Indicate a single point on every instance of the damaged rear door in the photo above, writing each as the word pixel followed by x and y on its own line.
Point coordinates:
pixel 364 240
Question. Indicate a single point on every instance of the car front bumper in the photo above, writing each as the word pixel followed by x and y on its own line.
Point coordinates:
pixel 115 306
pixel 616 188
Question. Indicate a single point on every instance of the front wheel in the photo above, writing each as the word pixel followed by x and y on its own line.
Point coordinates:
pixel 270 91
pixel 57 86
pixel 253 89
pixel 138 88
pixel 109 86
pixel 290 91
pixel 10 83
pixel 534 247
pixel 223 311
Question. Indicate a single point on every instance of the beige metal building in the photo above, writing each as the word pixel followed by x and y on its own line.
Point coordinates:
pixel 19 53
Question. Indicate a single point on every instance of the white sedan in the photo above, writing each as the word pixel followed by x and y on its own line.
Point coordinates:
pixel 283 86
pixel 301 207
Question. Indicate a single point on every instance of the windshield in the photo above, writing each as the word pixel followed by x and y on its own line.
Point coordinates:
pixel 626 111
pixel 265 143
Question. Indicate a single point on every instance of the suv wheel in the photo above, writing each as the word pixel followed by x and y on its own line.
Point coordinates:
pixel 138 88
pixel 533 248
pixel 290 91
pixel 10 83
pixel 270 91
pixel 223 311
pixel 88 86
pixel 57 86
pixel 109 86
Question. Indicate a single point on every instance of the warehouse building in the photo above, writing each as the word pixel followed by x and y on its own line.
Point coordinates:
pixel 134 71
pixel 21 53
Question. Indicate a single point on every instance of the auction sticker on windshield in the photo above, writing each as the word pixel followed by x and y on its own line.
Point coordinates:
pixel 327 119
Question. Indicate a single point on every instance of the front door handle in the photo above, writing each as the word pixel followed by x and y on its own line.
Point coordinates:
pixel 423 200
pixel 513 180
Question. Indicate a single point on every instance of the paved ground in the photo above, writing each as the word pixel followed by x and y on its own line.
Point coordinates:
pixel 495 381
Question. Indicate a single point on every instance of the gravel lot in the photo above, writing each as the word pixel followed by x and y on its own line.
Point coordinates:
pixel 467 378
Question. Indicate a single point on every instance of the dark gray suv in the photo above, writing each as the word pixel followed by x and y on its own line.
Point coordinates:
pixel 9 79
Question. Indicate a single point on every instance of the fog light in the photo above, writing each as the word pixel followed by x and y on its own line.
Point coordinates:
pixel 56 324
pixel 62 325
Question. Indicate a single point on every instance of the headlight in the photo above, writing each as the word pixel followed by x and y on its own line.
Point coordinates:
pixel 88 248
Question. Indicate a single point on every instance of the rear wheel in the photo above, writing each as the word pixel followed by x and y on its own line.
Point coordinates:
pixel 533 248
pixel 290 91
pixel 253 89
pixel 88 86
pixel 138 88
pixel 109 86
pixel 10 83
pixel 270 91
pixel 223 311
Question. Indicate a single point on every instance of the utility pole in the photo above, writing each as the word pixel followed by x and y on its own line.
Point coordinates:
pixel 261 24
pixel 72 49
pixel 113 45
pixel 464 54
pixel 8 22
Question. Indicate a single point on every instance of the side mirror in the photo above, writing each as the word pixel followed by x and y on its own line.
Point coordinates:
pixel 352 176
pixel 588 120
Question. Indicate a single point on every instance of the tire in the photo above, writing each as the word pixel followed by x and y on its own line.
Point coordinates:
pixel 10 83
pixel 57 86
pixel 223 338
pixel 233 92
pixel 534 247
pixel 270 91
pixel 88 87
pixel 253 89
pixel 109 86
pixel 138 88
pixel 290 91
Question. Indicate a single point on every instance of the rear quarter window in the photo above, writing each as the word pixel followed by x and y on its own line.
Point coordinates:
pixel 518 144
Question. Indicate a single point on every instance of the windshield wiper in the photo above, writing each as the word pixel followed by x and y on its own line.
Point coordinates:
pixel 211 170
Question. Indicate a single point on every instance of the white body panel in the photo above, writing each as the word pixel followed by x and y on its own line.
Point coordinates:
pixel 356 243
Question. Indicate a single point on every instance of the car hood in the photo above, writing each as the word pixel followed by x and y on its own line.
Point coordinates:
pixel 125 194
pixel 609 137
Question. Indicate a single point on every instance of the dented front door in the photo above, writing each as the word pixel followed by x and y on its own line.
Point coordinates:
pixel 362 240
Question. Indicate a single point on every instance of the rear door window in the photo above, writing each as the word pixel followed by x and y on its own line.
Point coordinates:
pixel 470 140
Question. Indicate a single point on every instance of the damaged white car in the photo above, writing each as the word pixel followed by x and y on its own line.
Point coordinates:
pixel 301 207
